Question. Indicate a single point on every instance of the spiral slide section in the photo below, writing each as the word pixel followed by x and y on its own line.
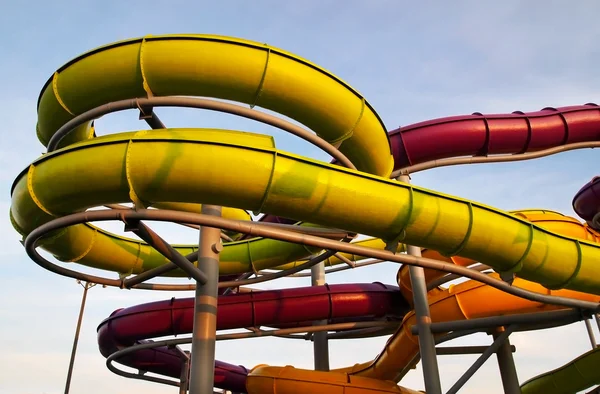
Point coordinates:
pixel 245 171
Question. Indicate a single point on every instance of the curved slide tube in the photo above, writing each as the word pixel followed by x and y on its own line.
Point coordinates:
pixel 573 377
pixel 587 203
pixel 552 221
pixel 493 134
pixel 264 308
pixel 279 182
pixel 213 166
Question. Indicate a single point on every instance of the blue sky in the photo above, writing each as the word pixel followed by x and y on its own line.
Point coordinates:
pixel 412 63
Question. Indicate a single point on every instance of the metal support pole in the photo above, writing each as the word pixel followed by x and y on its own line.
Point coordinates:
pixel 320 344
pixel 205 312
pixel 184 379
pixel 506 363
pixel 590 330
pixel 493 348
pixel 431 373
pixel 86 287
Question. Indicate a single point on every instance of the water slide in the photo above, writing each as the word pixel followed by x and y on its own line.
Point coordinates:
pixel 246 171
pixel 128 326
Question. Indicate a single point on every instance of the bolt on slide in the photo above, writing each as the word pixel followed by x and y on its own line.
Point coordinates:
pixel 534 269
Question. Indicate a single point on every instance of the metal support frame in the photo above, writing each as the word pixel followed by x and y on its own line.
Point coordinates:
pixel 427 351
pixel 350 326
pixel 590 331
pixel 202 367
pixel 314 240
pixel 149 116
pixel 86 286
pixel 164 248
pixel 184 378
pixel 493 348
pixel 536 319
pixel 143 104
pixel 461 350
pixel 261 230
pixel 320 344
pixel 506 364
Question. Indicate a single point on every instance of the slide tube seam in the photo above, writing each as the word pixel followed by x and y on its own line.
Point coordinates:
pixel 57 95
pixel 566 126
pixel 575 271
pixel 86 251
pixel 262 80
pixel 38 203
pixel 402 233
pixel 265 196
pixel 518 265
pixel 486 143
pixel 137 201
pixel 465 240
pixel 145 84
pixel 350 132
pixel 251 260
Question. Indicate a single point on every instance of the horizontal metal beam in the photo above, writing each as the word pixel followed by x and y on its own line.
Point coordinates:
pixel 497 321
pixel 460 350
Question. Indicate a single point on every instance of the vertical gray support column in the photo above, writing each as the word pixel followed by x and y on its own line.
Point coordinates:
pixel 431 373
pixel 184 377
pixel 320 344
pixel 506 363
pixel 590 330
pixel 202 368
pixel 86 287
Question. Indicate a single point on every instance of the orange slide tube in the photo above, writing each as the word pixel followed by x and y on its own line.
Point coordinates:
pixel 458 302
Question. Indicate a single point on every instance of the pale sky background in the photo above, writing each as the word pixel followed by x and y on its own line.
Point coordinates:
pixel 412 63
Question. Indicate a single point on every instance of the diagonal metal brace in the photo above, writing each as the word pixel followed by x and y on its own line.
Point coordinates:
pixel 164 248
pixel 493 348
pixel 147 114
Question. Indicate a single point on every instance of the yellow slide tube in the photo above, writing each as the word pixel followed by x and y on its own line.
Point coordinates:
pixel 209 66
pixel 552 221
pixel 214 166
